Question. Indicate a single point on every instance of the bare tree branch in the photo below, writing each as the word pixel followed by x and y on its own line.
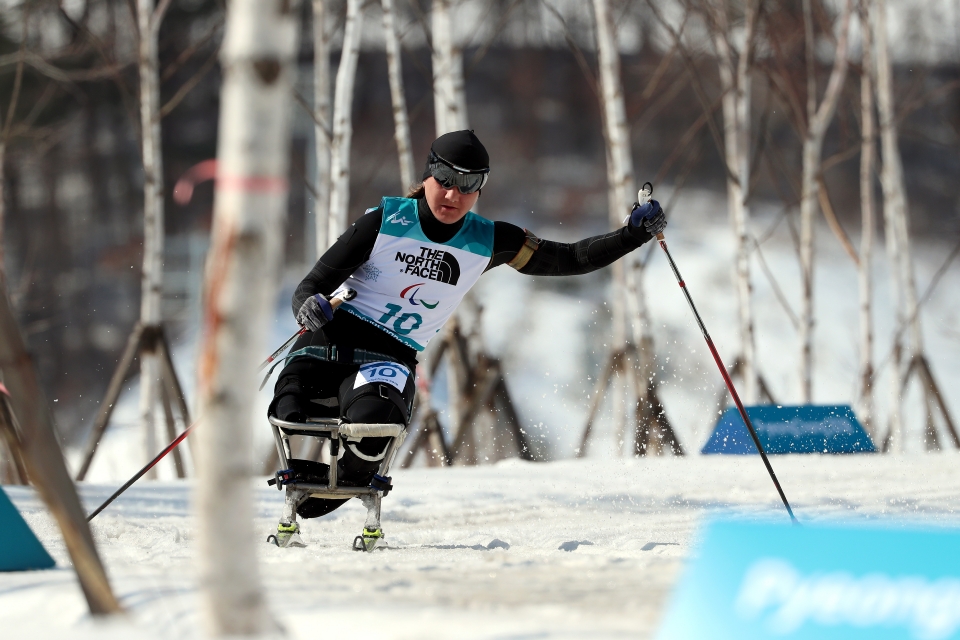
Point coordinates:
pixel 158 13
pixel 482 51
pixel 685 141
pixel 190 51
pixel 840 157
pixel 308 108
pixel 705 103
pixel 778 292
pixel 188 86
pixel 828 212
pixel 577 52
pixel 15 97
pixel 909 107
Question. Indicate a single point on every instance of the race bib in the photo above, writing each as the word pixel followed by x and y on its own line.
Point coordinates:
pixel 388 372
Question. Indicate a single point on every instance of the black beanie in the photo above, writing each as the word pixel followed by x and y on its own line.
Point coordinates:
pixel 462 149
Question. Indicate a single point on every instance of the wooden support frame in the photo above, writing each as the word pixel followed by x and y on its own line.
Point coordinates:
pixel 143 339
pixel 481 389
pixel 653 433
pixel 429 438
pixel 919 367
pixel 12 469
pixel 723 395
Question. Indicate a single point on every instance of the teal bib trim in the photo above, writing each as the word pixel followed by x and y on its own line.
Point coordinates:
pixel 401 220
pixel 356 312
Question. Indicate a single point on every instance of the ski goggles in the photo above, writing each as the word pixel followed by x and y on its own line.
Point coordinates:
pixel 450 176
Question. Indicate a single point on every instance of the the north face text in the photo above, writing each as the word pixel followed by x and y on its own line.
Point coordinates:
pixel 432 264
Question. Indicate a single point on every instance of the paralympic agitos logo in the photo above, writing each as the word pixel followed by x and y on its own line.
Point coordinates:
pixel 412 298
pixel 432 264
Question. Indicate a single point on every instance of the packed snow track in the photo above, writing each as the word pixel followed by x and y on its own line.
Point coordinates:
pixel 576 549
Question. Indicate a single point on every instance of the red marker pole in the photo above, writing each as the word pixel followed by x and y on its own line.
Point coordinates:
pixel 645 193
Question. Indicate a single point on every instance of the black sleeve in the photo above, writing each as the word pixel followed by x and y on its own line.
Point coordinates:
pixel 565 258
pixel 349 251
pixel 507 241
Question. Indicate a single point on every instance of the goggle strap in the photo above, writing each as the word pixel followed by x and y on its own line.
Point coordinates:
pixel 434 159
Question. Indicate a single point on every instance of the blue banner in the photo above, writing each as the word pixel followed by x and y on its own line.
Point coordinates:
pixel 755 581
pixel 19 548
pixel 783 429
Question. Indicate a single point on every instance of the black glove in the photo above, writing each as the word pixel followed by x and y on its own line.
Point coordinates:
pixel 650 216
pixel 315 312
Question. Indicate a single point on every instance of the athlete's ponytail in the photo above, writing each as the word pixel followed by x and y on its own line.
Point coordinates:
pixel 416 191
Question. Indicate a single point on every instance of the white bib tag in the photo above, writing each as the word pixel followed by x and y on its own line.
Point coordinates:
pixel 389 372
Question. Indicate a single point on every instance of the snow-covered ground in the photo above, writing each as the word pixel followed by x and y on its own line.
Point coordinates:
pixel 477 552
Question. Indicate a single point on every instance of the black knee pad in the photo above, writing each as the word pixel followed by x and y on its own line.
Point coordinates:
pixel 288 384
pixel 288 400
pixel 381 392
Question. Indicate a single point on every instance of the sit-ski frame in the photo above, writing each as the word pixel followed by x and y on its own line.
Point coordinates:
pixel 332 429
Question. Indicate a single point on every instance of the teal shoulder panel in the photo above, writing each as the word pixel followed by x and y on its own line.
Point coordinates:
pixel 476 236
pixel 20 550
pixel 401 220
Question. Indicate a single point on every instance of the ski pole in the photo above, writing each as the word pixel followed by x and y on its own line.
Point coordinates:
pixel 273 356
pixel 336 300
pixel 140 473
pixel 643 197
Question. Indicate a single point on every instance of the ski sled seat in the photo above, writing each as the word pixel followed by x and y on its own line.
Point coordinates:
pixel 298 490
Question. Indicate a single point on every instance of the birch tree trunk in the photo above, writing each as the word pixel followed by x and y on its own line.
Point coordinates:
pixel 343 121
pixel 818 119
pixel 736 84
pixel 449 100
pixel 258 56
pixel 148 21
pixel 459 87
pixel 895 223
pixel 619 161
pixel 401 125
pixel 620 189
pixel 321 109
pixel 868 153
pixel 450 114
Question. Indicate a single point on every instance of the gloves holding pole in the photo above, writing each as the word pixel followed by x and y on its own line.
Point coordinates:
pixel 314 313
pixel 317 310
pixel 649 212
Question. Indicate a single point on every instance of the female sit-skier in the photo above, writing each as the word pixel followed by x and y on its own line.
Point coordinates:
pixel 410 260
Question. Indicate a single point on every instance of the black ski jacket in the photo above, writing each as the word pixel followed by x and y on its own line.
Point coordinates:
pixel 353 248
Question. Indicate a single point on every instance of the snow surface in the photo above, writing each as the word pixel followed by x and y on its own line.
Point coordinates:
pixel 478 552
